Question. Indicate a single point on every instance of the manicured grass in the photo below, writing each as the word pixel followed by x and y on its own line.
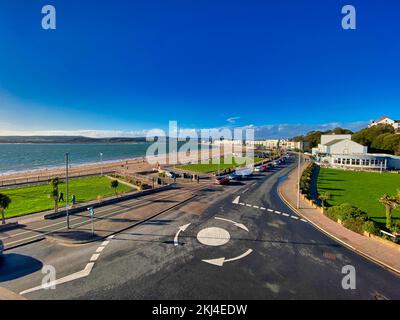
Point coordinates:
pixel 227 163
pixel 360 189
pixel 30 199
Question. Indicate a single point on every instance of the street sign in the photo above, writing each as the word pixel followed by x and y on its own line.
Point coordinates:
pixel 91 213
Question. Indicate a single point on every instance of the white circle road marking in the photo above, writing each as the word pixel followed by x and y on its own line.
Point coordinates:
pixel 213 236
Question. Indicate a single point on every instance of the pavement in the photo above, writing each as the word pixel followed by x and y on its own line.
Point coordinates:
pixel 239 241
pixel 386 255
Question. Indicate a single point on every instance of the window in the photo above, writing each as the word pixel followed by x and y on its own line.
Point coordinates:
pixel 353 161
pixel 357 162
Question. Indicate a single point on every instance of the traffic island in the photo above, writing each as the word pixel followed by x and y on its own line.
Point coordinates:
pixel 103 227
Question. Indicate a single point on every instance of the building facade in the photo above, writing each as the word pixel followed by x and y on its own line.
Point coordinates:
pixel 339 151
pixel 387 121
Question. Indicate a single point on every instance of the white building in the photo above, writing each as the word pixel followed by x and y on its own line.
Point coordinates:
pixel 385 120
pixel 341 151
pixel 277 143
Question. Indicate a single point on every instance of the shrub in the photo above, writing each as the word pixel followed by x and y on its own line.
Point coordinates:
pixel 345 212
pixel 372 227
pixel 356 224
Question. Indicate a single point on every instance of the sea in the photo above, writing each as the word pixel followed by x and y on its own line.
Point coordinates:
pixel 28 157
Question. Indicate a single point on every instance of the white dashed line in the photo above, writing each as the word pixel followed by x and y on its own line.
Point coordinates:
pixel 270 210
pixel 278 212
pixel 248 205
pixel 294 217
pixel 94 257
pixel 242 204
pixel 304 220
pixel 285 214
pixel 105 243
pixel 99 249
pixel 262 208
pixel 257 207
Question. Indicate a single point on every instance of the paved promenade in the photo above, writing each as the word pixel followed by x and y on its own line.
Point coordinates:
pixel 373 249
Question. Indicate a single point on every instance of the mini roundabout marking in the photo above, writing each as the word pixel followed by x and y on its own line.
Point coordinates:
pixel 215 237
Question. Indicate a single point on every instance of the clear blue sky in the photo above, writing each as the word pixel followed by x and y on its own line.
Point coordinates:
pixel 133 65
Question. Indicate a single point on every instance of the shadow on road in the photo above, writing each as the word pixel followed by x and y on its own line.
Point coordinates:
pixel 14 266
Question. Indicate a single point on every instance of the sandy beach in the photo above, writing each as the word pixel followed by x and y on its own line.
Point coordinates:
pixel 133 165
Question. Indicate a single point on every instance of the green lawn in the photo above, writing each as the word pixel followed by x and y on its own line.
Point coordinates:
pixel 361 189
pixel 30 199
pixel 229 163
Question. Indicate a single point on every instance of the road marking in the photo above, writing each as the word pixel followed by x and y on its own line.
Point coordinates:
pixel 77 275
pixel 248 205
pixel 294 217
pixel 257 207
pixel 270 210
pixel 181 229
pixel 245 191
pixel 74 276
pixel 220 261
pixel 242 204
pixel 213 236
pixel 304 220
pixel 94 257
pixel 236 201
pixel 262 208
pixel 285 214
pixel 278 212
pixel 239 225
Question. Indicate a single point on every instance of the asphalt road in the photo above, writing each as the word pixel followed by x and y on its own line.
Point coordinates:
pixel 279 257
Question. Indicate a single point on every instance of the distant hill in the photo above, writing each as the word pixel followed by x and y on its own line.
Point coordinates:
pixel 67 139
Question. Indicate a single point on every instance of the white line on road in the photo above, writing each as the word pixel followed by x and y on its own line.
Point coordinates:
pixel 285 214
pixel 99 249
pixel 105 243
pixel 257 207
pixel 278 212
pixel 248 205
pixel 94 257
pixel 294 217
pixel 270 210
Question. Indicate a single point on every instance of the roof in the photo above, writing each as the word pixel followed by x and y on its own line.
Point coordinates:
pixel 332 142
pixel 382 118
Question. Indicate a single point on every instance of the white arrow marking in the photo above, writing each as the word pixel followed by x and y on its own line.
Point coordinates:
pixel 181 229
pixel 236 201
pixel 239 225
pixel 77 275
pixel 220 261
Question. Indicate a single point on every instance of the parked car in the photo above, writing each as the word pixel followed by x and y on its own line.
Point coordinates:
pixel 262 168
pixel 170 174
pixel 244 172
pixel 1 247
pixel 234 176
pixel 221 180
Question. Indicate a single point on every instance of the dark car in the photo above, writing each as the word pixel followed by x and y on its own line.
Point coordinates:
pixel 1 247
pixel 221 180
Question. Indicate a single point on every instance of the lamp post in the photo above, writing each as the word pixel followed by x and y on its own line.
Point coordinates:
pixel 66 182
pixel 298 181
pixel 101 162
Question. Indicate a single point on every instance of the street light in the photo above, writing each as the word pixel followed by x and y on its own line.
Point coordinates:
pixel 101 162
pixel 298 181
pixel 66 180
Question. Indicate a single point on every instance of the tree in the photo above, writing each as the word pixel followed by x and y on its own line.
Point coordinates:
pixel 325 196
pixel 54 192
pixel 4 203
pixel 390 203
pixel 114 184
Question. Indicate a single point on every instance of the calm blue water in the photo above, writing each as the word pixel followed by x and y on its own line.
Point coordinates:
pixel 23 157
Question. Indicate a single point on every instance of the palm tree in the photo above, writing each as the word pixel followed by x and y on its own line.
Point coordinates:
pixel 114 184
pixel 390 203
pixel 54 193
pixel 325 196
pixel 4 203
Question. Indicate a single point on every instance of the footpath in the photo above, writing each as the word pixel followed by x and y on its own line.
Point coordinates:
pixel 384 254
